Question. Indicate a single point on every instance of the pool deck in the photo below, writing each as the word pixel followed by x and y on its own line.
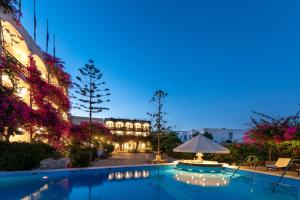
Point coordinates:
pixel 126 159
pixel 117 160
pixel 263 170
pixel 38 171
pixel 145 159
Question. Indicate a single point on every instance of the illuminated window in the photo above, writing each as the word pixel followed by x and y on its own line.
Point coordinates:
pixel 128 125
pixel 119 124
pixel 110 124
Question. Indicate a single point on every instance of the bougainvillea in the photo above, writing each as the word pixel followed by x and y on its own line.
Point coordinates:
pixel 81 132
pixel 269 129
pixel 290 133
pixel 10 69
pixel 44 116
pixel 56 68
pixel 43 95
pixel 15 115
pixel 41 89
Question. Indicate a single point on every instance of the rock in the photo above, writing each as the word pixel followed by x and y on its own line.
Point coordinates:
pixel 52 163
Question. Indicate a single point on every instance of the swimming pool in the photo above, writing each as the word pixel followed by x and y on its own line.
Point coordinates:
pixel 145 183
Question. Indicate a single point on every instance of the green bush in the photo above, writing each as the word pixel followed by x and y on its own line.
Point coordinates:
pixel 239 152
pixel 133 151
pixel 82 156
pixel 185 156
pixel 24 156
pixel 168 141
pixel 109 148
pixel 148 151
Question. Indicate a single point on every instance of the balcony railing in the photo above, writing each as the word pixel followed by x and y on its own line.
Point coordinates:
pixel 21 67
pixel 129 129
pixel 124 133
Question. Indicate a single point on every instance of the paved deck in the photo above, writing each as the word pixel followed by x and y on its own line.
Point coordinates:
pixel 263 170
pixel 123 159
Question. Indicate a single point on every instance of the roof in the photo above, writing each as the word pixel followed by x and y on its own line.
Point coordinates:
pixel 201 144
pixel 127 120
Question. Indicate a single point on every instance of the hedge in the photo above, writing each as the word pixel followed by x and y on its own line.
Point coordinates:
pixel 24 156
pixel 239 152
pixel 82 156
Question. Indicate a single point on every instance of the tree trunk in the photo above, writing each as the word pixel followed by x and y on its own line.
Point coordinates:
pixel 6 138
pixel 9 132
pixel 137 145
pixel 158 143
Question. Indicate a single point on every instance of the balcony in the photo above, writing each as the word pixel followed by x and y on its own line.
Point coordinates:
pixel 22 69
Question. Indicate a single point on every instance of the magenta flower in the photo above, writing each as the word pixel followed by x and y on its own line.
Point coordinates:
pixel 290 133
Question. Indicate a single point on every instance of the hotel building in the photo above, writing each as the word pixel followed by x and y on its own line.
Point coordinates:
pixel 18 45
pixel 220 135
pixel 132 130
pixel 127 134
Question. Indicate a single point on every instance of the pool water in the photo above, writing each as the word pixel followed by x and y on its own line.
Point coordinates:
pixel 145 183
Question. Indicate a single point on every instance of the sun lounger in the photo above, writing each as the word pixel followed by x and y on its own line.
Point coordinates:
pixel 297 169
pixel 281 163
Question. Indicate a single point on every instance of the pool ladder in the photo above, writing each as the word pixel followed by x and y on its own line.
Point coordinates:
pixel 284 172
pixel 281 177
pixel 237 169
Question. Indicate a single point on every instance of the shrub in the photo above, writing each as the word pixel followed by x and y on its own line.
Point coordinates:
pixel 148 151
pixel 82 156
pixel 168 141
pixel 239 152
pixel 109 148
pixel 179 155
pixel 24 156
pixel 133 151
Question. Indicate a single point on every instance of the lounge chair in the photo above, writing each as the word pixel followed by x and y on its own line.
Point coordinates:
pixel 281 163
pixel 297 169
pixel 251 161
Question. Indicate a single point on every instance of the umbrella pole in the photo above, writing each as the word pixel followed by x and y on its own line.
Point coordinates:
pixel 158 157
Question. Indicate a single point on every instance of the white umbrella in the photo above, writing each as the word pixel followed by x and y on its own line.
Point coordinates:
pixel 201 144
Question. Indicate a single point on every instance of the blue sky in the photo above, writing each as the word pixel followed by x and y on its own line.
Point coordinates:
pixel 217 59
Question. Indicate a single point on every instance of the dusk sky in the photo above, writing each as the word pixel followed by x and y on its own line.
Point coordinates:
pixel 218 60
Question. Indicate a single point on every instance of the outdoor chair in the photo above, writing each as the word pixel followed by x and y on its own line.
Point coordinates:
pixel 281 163
pixel 252 161
pixel 297 169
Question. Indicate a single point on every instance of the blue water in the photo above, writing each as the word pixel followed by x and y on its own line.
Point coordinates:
pixel 145 183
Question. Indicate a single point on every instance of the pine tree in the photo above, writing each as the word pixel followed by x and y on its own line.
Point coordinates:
pixel 90 93
pixel 158 116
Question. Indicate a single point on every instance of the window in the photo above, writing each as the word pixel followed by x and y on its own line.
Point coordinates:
pixel 184 137
pixel 230 136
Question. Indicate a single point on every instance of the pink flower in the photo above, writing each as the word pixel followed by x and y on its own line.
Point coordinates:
pixel 248 138
pixel 4 106
pixel 290 133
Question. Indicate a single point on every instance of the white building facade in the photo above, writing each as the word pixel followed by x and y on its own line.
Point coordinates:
pixel 220 135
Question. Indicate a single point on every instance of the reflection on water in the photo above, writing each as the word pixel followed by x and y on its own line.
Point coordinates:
pixel 138 183
pixel 36 194
pixel 61 187
pixel 128 175
pixel 202 179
